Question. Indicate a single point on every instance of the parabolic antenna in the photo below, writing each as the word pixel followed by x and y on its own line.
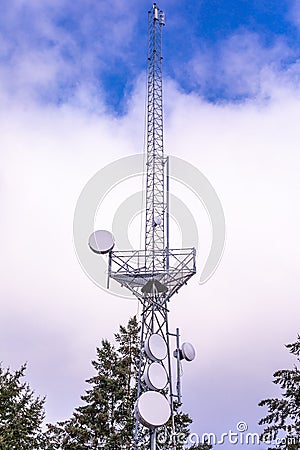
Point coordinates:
pixel 155 376
pixel 152 409
pixel 188 351
pixel 101 242
pixel 155 347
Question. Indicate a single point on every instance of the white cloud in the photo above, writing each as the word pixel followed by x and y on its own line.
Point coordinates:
pixel 241 65
pixel 52 51
pixel 54 317
pixel 240 319
pixel 51 314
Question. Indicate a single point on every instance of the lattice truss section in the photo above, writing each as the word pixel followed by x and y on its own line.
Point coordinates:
pixel 128 269
pixel 155 189
pixel 155 320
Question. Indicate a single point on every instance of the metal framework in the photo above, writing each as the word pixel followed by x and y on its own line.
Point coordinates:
pixel 155 188
pixel 154 274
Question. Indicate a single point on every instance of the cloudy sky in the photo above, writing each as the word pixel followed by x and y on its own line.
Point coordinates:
pixel 72 98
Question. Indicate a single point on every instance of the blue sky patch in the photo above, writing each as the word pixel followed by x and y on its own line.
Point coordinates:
pixel 217 49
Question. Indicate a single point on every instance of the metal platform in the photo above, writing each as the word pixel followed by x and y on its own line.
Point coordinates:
pixel 131 270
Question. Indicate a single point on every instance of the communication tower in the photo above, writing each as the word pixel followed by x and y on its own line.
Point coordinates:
pixel 154 274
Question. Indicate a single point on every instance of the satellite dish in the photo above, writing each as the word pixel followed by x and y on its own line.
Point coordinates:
pixel 101 242
pixel 155 347
pixel 152 409
pixel 188 351
pixel 155 376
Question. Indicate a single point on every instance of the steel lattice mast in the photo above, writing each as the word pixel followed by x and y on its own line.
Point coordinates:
pixel 155 188
pixel 155 273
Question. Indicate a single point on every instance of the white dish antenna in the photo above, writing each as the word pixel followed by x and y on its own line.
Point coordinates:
pixel 155 376
pixel 152 409
pixel 155 347
pixel 101 242
pixel 186 352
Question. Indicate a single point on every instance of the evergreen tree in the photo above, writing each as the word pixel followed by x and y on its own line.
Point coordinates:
pixel 129 349
pixel 21 414
pixel 106 420
pixel 283 418
pixel 201 447
pixel 182 423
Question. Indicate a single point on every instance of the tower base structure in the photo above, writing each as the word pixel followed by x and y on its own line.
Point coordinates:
pixel 154 288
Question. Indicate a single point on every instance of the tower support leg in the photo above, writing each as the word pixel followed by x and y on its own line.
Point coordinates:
pixel 153 439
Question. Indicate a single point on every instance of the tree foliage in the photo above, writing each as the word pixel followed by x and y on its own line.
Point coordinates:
pixel 106 420
pixel 283 419
pixel 204 446
pixel 21 413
